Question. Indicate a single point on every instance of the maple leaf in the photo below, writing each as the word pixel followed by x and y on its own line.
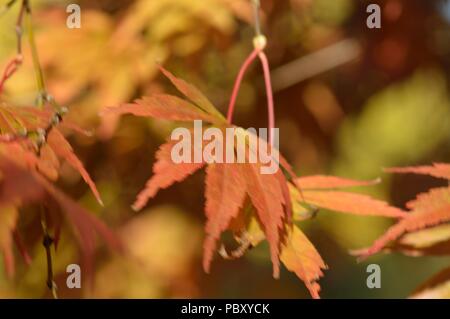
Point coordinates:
pixel 300 256
pixel 239 198
pixel 429 209
pixel 263 190
pixel 434 241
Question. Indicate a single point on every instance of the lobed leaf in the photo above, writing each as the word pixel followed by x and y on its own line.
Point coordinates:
pixel 429 209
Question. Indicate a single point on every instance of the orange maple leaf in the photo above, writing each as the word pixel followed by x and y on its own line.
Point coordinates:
pixel 229 185
pixel 428 209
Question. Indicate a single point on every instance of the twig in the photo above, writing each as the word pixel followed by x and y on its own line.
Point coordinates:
pixel 43 95
pixel 47 243
pixel 14 64
pixel 6 7
pixel 19 27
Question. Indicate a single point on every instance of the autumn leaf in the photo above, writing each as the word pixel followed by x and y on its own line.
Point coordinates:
pixel 298 254
pixel 239 198
pixel 64 150
pixel 263 190
pixel 431 241
pixel 266 196
pixel 428 209
pixel 194 94
pixel 223 203
pixel 320 191
pixel 419 233
pixel 301 257
pixel 166 173
pixel 165 107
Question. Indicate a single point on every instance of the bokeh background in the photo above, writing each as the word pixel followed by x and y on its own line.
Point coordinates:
pixel 349 101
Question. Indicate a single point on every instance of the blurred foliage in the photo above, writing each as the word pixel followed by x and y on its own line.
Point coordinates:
pixel 389 106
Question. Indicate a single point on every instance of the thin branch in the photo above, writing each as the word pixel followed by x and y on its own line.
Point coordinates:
pixel 47 243
pixel 6 7
pixel 43 95
pixel 256 8
pixel 14 64
pixel 19 27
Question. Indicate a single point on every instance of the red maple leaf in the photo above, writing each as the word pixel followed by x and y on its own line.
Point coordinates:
pixel 230 186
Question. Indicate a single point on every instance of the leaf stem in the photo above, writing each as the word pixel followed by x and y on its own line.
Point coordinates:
pixel 256 8
pixel 238 83
pixel 14 64
pixel 35 56
pixel 259 43
pixel 270 105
